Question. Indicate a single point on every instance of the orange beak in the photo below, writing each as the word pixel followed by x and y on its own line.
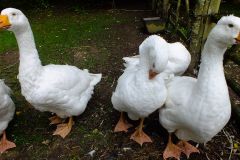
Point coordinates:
pixel 238 38
pixel 4 22
pixel 152 74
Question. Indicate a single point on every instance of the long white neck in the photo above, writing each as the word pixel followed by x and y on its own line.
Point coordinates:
pixel 145 61
pixel 149 58
pixel 29 59
pixel 211 79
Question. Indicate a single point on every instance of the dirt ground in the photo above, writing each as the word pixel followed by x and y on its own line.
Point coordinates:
pixel 93 130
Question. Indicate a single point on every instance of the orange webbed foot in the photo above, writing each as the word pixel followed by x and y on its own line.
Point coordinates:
pixel 55 120
pixel 64 129
pixel 187 148
pixel 172 150
pixel 139 136
pixel 5 144
pixel 122 125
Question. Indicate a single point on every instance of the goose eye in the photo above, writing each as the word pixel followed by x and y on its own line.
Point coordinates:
pixel 14 14
pixel 153 65
pixel 230 25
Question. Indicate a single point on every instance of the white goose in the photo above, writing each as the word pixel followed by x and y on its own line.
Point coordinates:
pixel 141 89
pixel 178 57
pixel 61 89
pixel 197 109
pixel 7 110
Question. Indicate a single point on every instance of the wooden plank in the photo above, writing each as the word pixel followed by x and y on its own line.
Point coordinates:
pixel 165 8
pixel 201 26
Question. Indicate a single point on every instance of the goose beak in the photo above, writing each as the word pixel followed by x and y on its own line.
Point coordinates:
pixel 152 74
pixel 238 39
pixel 4 22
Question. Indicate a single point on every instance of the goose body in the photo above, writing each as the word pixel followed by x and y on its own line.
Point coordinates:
pixel 7 110
pixel 178 56
pixel 138 96
pixel 61 89
pixel 197 109
pixel 7 107
pixel 137 93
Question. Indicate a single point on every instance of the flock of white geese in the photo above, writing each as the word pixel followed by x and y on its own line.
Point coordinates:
pixel 191 108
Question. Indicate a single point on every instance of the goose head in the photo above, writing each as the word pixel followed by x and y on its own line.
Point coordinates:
pixel 13 20
pixel 154 57
pixel 227 31
pixel 156 64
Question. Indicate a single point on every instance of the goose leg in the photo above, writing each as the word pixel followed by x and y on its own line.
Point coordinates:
pixel 187 148
pixel 64 129
pixel 5 144
pixel 55 120
pixel 139 136
pixel 171 150
pixel 122 124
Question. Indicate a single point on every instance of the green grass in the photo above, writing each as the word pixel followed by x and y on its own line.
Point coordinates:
pixel 58 36
pixel 56 33
pixel 7 41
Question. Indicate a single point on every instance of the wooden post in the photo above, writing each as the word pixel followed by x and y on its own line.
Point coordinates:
pixel 177 13
pixel 201 27
pixel 161 8
pixel 165 8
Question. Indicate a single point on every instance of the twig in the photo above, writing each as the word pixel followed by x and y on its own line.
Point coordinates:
pixel 113 82
pixel 101 123
pixel 231 143
pixel 207 156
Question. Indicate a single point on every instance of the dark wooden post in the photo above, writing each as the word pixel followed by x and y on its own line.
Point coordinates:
pixel 201 26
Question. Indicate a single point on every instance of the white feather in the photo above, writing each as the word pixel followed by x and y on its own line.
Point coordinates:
pixel 197 109
pixel 135 93
pixel 61 89
pixel 178 56
pixel 7 107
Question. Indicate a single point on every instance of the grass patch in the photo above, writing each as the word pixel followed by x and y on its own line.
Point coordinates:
pixel 56 33
pixel 59 37
pixel 7 41
pixel 23 139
